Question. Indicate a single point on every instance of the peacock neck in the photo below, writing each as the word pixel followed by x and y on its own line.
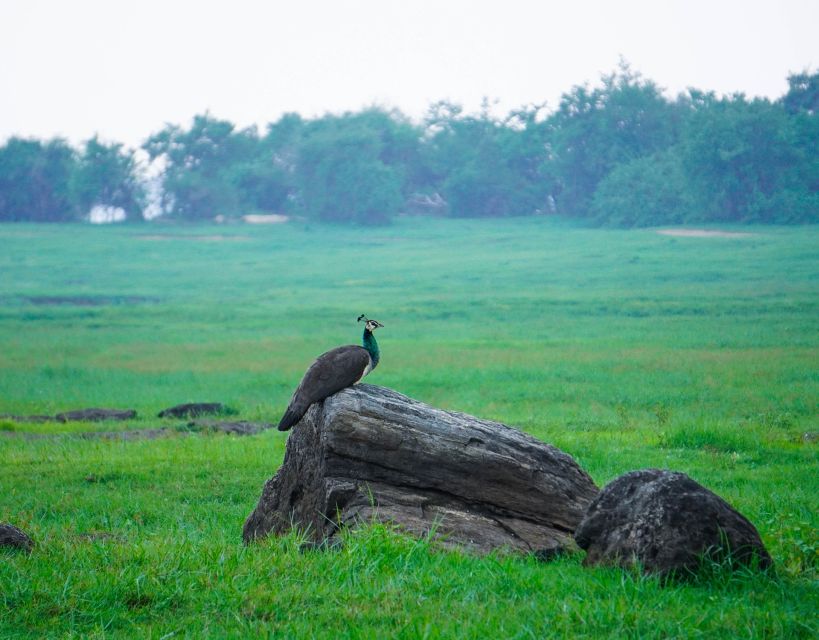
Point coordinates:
pixel 371 346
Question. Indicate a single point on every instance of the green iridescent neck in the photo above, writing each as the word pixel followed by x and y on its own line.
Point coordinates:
pixel 371 346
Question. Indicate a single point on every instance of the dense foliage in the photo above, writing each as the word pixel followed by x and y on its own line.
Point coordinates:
pixel 620 153
pixel 51 181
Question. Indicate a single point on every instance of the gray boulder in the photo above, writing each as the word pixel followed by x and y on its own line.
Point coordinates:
pixel 667 522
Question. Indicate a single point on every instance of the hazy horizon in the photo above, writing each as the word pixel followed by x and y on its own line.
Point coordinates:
pixel 123 71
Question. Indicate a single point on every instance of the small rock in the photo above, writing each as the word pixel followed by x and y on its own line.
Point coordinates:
pixel 12 537
pixel 193 409
pixel 667 522
pixel 96 415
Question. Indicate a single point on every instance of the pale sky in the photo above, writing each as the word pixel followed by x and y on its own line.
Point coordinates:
pixel 122 69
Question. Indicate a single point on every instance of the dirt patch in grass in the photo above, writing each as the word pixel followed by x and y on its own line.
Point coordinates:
pixel 88 301
pixel 237 428
pixel 704 233
pixel 268 218
pixel 159 237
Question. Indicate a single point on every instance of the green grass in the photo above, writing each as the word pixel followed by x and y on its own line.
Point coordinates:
pixel 627 349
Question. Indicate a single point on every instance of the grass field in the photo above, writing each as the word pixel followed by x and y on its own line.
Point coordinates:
pixel 627 349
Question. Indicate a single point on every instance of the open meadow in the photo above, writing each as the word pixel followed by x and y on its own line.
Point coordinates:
pixel 626 349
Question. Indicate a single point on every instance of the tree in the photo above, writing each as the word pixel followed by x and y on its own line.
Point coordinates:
pixel 106 175
pixel 650 190
pixel 750 161
pixel 35 181
pixel 201 176
pixel 350 168
pixel 596 129
pixel 270 179
pixel 803 93
pixel 484 166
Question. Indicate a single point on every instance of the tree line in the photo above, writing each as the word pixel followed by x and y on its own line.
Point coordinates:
pixel 619 153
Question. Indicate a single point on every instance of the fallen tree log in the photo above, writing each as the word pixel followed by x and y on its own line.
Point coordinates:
pixel 369 453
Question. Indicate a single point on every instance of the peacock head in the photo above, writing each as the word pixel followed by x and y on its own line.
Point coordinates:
pixel 369 325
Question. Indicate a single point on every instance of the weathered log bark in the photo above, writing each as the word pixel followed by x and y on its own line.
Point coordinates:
pixel 369 453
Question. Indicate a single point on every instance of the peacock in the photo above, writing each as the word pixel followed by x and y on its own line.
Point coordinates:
pixel 333 371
